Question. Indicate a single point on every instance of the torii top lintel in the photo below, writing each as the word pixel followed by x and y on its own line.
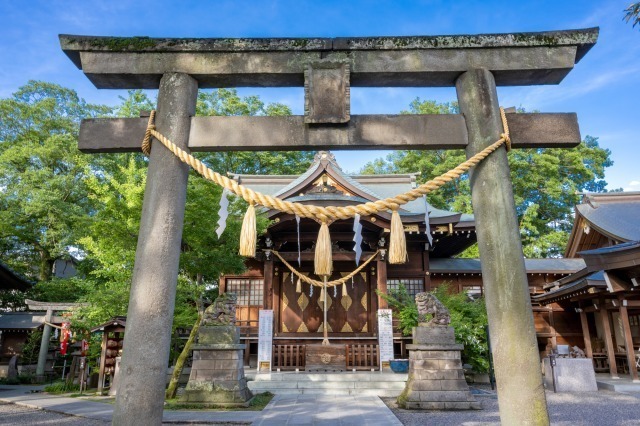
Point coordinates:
pixel 423 61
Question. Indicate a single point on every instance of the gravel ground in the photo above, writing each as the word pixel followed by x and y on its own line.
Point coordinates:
pixel 601 408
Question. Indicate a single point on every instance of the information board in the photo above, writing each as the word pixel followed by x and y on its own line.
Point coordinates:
pixel 265 340
pixel 385 337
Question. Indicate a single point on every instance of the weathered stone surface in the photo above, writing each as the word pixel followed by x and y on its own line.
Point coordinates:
pixel 433 335
pixel 571 375
pixel 326 92
pixel 12 370
pixel 446 131
pixel 513 336
pixel 217 373
pixel 229 334
pixel 515 59
pixel 436 379
pixel 141 385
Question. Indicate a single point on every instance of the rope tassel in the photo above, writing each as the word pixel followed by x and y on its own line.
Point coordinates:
pixel 344 289
pixel 398 242
pixel 299 286
pixel 323 262
pixel 248 235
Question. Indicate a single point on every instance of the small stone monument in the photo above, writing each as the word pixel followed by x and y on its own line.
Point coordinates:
pixel 436 379
pixel 217 374
pixel 12 371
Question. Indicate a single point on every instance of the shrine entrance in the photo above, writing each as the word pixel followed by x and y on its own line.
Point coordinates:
pixel 474 65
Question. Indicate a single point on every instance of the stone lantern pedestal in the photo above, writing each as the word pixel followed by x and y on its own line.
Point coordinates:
pixel 436 379
pixel 217 374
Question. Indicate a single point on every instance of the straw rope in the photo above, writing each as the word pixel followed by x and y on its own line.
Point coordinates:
pixel 317 283
pixel 318 213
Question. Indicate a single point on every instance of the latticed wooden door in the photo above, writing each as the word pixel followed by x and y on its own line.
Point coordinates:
pixel 302 312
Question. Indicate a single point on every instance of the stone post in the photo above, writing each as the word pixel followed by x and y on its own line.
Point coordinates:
pixel 521 394
pixel 142 381
pixel 44 345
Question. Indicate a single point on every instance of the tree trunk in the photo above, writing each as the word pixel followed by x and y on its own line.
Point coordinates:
pixel 177 370
pixel 46 266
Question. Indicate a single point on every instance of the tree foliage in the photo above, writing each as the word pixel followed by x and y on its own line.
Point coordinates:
pixel 468 318
pixel 632 14
pixel 43 200
pixel 545 183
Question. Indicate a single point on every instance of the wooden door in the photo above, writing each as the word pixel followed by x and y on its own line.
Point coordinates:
pixel 303 312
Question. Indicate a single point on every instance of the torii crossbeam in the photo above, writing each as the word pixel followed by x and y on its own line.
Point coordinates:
pixel 327 68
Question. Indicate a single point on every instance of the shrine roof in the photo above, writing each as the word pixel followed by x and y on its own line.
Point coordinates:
pixel 9 280
pixel 581 284
pixel 532 266
pixel 613 214
pixel 370 187
pixel 21 320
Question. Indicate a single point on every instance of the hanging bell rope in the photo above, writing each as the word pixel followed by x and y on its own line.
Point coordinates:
pixel 320 213
pixel 325 327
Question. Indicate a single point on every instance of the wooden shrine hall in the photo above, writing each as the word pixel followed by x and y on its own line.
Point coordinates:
pixel 298 315
pixel 605 291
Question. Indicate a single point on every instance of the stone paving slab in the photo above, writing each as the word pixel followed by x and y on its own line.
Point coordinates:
pixel 326 410
pixel 103 411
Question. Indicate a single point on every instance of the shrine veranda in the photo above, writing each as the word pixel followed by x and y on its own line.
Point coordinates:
pixel 327 68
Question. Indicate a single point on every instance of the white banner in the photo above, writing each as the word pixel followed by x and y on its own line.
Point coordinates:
pixel 265 340
pixel 385 336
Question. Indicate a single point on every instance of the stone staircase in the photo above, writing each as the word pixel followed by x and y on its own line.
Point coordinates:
pixel 373 383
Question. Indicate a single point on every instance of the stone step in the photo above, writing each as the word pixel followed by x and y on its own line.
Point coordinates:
pixel 328 391
pixel 329 377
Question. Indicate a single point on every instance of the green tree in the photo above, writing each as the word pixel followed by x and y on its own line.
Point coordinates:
pixel 42 197
pixel 545 183
pixel 632 14
pixel 228 102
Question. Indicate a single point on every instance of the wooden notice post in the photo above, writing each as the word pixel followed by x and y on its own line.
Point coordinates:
pixel 328 68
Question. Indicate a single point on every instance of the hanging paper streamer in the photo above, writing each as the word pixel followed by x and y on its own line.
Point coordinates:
pixel 357 237
pixel 310 291
pixel 335 291
pixel 223 213
pixel 426 221
pixel 298 226
pixel 352 283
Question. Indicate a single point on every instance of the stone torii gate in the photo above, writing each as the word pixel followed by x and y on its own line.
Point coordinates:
pixel 327 68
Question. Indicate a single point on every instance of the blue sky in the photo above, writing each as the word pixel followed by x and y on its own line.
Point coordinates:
pixel 604 88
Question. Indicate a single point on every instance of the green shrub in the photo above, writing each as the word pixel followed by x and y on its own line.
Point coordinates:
pixel 61 387
pixel 468 318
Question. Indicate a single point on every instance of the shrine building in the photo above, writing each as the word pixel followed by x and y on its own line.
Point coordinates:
pixel 298 316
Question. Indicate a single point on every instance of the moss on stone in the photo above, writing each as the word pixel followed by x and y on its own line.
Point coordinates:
pixel 119 44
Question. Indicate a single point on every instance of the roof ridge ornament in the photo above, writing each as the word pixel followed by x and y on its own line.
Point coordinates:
pixel 327 157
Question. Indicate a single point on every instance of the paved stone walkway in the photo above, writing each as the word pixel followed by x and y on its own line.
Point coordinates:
pixel 326 410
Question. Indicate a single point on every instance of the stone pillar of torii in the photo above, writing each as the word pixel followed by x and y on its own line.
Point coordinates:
pixel 327 68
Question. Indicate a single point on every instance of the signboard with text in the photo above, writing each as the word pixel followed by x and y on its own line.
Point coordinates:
pixel 385 337
pixel 265 340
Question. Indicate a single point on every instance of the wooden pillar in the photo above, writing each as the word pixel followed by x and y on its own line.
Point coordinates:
pixel 586 334
pixel 608 339
pixel 142 378
pixel 425 271
pixel 521 396
pixel 628 341
pixel 44 346
pixel 268 284
pixel 381 274
pixel 275 297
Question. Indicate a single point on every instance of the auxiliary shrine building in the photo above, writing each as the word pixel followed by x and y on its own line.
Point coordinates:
pixel 351 318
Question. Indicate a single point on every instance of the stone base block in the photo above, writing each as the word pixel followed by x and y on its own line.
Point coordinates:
pixel 227 334
pixel 571 375
pixel 436 379
pixel 433 335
